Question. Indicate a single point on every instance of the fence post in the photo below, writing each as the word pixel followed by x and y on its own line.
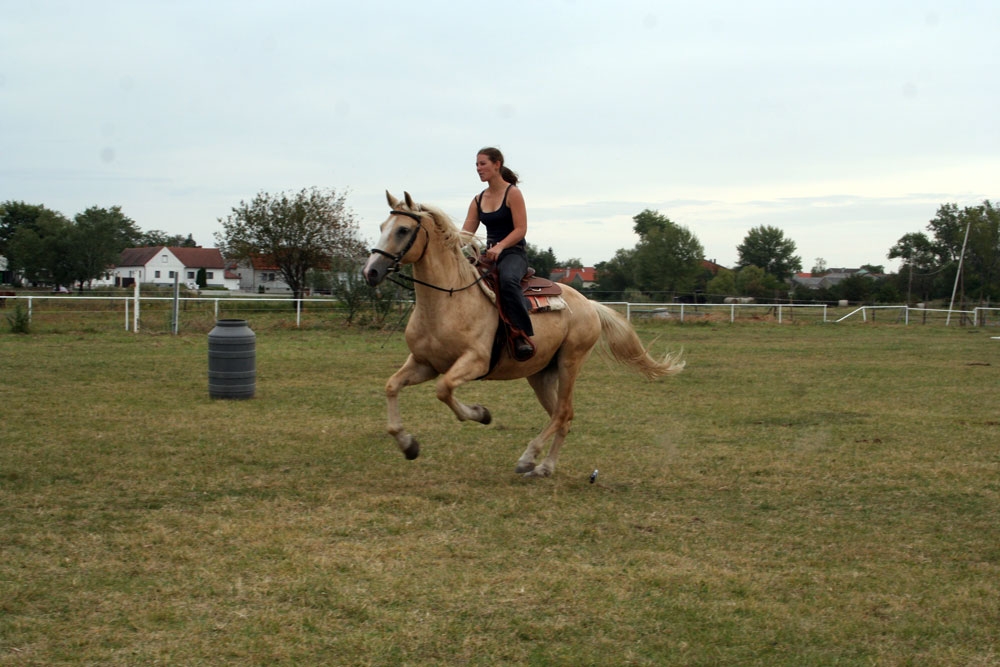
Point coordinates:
pixel 177 302
pixel 135 309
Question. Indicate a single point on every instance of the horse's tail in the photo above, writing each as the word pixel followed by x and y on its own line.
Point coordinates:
pixel 624 345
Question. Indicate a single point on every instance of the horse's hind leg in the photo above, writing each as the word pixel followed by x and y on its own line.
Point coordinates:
pixel 555 393
pixel 409 374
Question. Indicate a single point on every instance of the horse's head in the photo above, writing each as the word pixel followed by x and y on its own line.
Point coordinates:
pixel 398 241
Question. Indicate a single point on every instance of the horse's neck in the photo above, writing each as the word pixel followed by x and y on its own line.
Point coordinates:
pixel 441 269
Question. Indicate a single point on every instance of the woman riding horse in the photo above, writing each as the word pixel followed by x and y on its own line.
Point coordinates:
pixel 452 328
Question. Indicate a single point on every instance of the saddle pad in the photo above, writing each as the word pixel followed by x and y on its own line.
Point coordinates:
pixel 544 304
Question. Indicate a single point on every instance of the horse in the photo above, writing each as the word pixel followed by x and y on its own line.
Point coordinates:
pixel 451 331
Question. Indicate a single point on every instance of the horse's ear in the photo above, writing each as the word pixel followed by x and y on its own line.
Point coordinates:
pixel 409 202
pixel 393 202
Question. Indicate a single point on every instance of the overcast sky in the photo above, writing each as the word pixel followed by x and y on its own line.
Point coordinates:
pixel 845 124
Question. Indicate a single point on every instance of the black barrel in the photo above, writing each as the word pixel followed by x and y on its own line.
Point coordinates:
pixel 232 360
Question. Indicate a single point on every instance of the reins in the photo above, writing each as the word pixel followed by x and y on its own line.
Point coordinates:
pixel 397 258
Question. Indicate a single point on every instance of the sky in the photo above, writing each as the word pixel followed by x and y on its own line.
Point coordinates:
pixel 844 124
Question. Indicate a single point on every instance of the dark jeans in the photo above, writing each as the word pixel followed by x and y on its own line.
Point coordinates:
pixel 511 267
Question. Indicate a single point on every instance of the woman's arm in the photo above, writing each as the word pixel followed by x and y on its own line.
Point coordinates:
pixel 471 218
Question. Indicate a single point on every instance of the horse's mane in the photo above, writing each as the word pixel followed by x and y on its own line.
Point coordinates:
pixel 451 237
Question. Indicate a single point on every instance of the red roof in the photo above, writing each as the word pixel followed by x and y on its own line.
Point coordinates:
pixel 199 258
pixel 263 263
pixel 587 274
pixel 711 266
pixel 191 258
pixel 137 256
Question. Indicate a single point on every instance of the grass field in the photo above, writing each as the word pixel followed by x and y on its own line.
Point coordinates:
pixel 803 494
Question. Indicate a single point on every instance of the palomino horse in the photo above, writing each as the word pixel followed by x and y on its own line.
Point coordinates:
pixel 451 331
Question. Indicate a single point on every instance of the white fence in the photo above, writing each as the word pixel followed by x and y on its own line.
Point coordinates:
pixel 687 311
pixel 978 316
pixel 130 308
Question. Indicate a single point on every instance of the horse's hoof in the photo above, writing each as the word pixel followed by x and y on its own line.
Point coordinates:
pixel 413 451
pixel 487 417
pixel 524 468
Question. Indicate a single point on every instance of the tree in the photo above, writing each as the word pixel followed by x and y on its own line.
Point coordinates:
pixel 753 281
pixel 722 285
pixel 766 247
pixel 931 264
pixel 98 237
pixel 156 237
pixel 543 262
pixel 667 257
pixel 38 251
pixel 46 247
pixel 949 232
pixel 981 268
pixel 23 230
pixel 616 275
pixel 918 255
pixel 310 229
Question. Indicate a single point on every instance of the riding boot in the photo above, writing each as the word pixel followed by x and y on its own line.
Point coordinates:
pixel 524 348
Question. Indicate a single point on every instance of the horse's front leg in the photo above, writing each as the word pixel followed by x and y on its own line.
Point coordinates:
pixel 467 368
pixel 411 373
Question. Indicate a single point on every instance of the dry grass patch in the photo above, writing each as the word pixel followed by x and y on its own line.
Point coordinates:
pixel 801 494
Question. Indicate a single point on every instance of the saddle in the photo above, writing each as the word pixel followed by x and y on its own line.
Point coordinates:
pixel 533 285
pixel 540 293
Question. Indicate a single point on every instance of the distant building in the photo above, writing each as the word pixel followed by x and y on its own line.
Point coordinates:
pixel 583 278
pixel 159 265
pixel 261 274
pixel 828 278
pixel 711 266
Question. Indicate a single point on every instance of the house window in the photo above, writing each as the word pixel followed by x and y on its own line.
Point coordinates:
pixel 190 275
pixel 156 275
pixel 172 273
pixel 163 259
pixel 209 275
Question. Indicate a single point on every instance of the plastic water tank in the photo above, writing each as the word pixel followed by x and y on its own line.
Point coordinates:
pixel 232 360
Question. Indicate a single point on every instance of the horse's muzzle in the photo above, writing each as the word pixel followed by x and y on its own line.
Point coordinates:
pixel 375 270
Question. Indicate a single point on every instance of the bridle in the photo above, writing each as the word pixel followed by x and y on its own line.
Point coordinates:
pixel 398 258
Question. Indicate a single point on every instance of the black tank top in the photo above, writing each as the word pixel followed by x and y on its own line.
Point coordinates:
pixel 499 223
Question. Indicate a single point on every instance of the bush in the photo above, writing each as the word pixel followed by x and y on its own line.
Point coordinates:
pixel 19 320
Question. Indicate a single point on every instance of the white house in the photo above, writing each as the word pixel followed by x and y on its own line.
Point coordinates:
pixel 260 274
pixel 159 265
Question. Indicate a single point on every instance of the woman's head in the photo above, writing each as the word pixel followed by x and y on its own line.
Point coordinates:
pixel 496 157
